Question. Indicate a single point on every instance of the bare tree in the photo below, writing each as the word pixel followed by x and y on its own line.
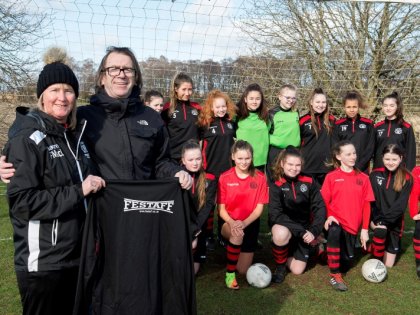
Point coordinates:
pixel 19 29
pixel 372 47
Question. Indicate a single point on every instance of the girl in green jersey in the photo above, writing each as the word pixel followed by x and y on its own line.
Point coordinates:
pixel 253 123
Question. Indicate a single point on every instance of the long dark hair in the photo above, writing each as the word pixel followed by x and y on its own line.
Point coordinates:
pixel 401 173
pixel 399 113
pixel 243 111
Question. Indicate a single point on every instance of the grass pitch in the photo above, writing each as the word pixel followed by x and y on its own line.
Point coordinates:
pixel 309 293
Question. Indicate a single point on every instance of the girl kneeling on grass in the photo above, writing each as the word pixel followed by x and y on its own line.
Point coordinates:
pixel 415 215
pixel 347 194
pixel 242 193
pixel 296 214
pixel 392 186
pixel 202 194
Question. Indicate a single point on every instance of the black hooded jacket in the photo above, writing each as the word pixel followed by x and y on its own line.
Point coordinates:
pixel 45 194
pixel 127 139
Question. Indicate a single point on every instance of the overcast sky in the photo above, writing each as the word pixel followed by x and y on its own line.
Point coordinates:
pixel 180 29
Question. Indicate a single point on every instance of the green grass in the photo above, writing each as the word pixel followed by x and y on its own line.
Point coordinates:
pixel 9 294
pixel 309 293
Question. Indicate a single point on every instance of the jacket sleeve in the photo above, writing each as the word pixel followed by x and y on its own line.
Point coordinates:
pixel 165 166
pixel 28 197
pixel 368 150
pixel 397 209
pixel 375 211
pixel 318 210
pixel 204 213
pixel 335 135
pixel 410 149
pixel 276 213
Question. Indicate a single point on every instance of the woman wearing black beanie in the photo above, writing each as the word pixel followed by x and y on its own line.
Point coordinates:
pixel 47 193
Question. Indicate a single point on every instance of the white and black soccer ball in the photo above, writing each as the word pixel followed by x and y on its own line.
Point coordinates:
pixel 258 275
pixel 374 270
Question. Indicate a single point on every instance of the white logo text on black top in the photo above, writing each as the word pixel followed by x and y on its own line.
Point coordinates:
pixel 144 206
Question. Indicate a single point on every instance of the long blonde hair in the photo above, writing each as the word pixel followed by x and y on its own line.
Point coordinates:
pixel 325 115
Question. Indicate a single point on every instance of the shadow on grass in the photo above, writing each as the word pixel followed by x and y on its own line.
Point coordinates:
pixel 213 298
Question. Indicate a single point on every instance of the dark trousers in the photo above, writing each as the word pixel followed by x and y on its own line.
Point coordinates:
pixel 47 292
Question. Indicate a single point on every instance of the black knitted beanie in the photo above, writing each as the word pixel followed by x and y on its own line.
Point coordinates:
pixel 56 72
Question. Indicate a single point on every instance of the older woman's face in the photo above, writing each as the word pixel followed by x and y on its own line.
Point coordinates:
pixel 120 85
pixel 58 101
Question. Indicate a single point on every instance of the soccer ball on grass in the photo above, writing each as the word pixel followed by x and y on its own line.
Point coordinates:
pixel 258 275
pixel 373 270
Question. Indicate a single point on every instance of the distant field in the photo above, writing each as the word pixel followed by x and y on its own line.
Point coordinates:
pixel 309 293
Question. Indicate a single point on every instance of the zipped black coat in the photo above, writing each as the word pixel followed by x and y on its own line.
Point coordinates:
pixel 45 194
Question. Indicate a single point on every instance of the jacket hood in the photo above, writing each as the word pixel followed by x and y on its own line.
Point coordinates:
pixel 34 119
pixel 119 106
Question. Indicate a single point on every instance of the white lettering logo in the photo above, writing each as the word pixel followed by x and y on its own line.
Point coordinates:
pixel 232 184
pixel 339 180
pixel 398 131
pixel 174 113
pixel 144 206
pixel 344 128
pixel 143 122
pixel 194 112
pixel 84 149
pixel 55 151
pixel 380 132
pixel 229 125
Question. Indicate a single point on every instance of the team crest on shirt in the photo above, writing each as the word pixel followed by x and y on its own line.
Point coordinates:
pixel 362 126
pixel 309 125
pixel 398 131
pixel 303 188
pixel 194 112
pixel 253 185
pixel 229 125
pixel 380 180
pixel 213 129
pixel 359 182
pixel 344 128
pixel 380 132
